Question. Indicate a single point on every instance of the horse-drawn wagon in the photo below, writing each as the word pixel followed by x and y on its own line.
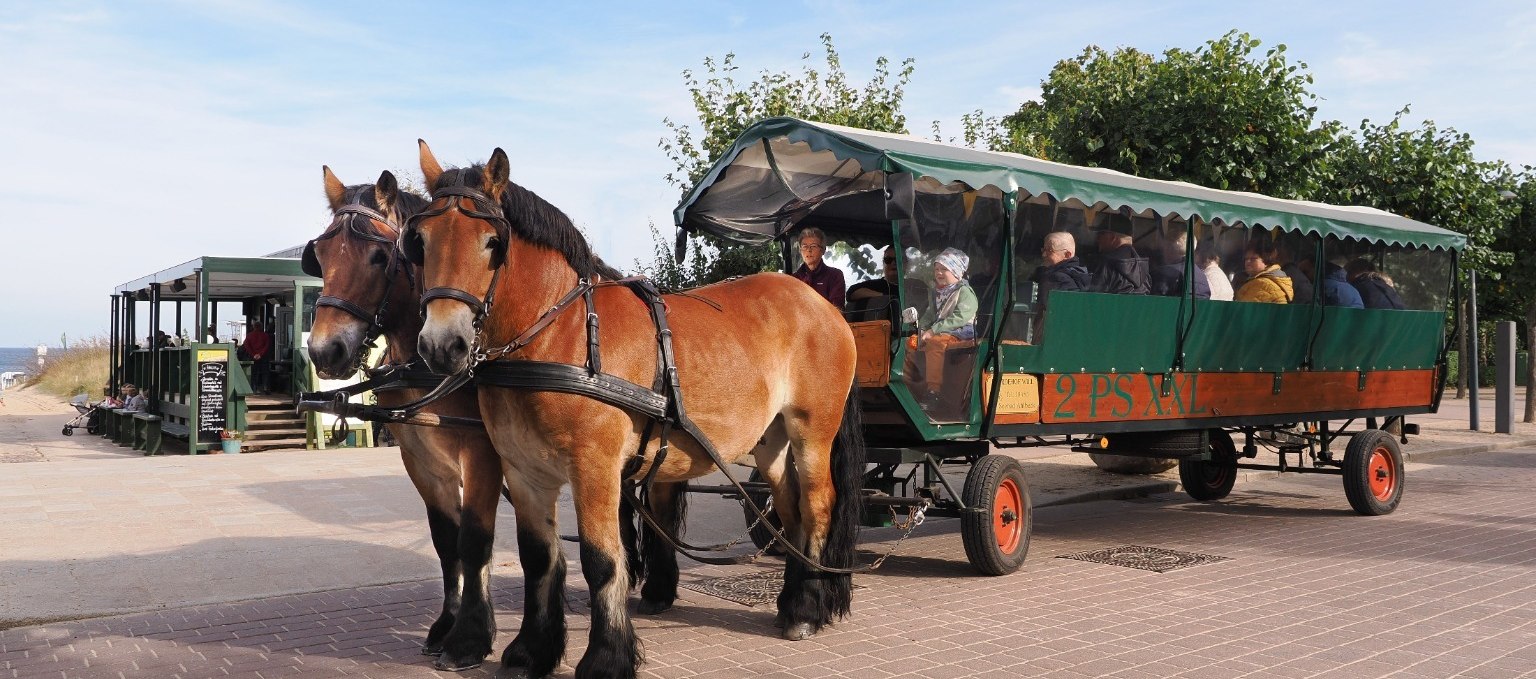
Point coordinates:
pixel 1175 375
pixel 484 283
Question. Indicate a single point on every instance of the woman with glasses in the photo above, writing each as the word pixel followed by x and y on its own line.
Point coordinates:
pixel 1266 282
pixel 827 281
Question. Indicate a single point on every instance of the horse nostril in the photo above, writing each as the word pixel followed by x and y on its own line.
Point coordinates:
pixel 460 345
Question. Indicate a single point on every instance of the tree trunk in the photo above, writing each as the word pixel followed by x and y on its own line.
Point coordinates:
pixel 1530 362
pixel 1461 349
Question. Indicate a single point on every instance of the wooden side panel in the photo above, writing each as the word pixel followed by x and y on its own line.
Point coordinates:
pixel 1139 396
pixel 873 341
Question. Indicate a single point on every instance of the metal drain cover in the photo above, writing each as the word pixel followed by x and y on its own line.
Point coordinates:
pixel 1152 559
pixel 752 589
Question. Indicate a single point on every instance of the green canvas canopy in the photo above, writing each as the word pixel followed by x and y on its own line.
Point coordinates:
pixel 783 170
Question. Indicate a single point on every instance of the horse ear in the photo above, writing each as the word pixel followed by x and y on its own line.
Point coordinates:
pixel 386 190
pixel 335 191
pixel 497 171
pixel 429 165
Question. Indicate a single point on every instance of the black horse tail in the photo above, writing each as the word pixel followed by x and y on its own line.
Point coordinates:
pixel 848 462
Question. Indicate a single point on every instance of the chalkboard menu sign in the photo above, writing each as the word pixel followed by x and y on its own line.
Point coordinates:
pixel 212 378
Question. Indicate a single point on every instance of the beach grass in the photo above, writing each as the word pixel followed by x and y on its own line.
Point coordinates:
pixel 80 369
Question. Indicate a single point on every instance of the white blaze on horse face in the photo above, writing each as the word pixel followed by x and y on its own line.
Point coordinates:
pixel 447 336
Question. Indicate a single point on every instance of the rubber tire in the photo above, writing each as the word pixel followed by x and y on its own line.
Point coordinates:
pixel 1208 480
pixel 978 530
pixel 69 431
pixel 93 430
pixel 760 535
pixel 1371 452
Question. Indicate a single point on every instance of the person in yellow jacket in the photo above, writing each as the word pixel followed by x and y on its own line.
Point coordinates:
pixel 1266 282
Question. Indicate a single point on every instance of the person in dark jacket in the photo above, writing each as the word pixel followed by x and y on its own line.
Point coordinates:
pixel 1375 291
pixel 1168 278
pixel 1336 288
pixel 1120 269
pixel 1061 269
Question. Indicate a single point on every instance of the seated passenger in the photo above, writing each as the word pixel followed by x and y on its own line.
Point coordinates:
pixel 1376 290
pixel 134 401
pixel 827 281
pixel 1168 278
pixel 1208 260
pixel 950 319
pixel 1301 281
pixel 885 286
pixel 1061 269
pixel 1119 268
pixel 1336 288
pixel 1266 282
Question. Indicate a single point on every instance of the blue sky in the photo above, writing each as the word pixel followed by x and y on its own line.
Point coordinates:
pixel 138 135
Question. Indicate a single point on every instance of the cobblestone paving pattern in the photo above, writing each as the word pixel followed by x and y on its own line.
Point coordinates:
pixel 1444 587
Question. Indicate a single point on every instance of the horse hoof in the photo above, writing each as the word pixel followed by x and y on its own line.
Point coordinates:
pixel 799 631
pixel 457 664
pixel 653 607
pixel 432 649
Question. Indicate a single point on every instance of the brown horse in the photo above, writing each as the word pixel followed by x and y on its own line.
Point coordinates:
pixel 766 368
pixel 369 289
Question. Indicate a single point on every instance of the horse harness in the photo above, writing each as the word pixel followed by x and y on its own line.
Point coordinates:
pixel 310 264
pixel 662 402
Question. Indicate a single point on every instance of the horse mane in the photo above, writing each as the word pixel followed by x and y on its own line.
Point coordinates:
pixel 538 222
pixel 407 203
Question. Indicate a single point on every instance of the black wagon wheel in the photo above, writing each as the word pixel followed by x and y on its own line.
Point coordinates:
pixel 999 518
pixel 1207 480
pixel 1373 472
pixel 69 431
pixel 760 534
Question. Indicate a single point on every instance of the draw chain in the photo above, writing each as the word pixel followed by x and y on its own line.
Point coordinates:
pixel 916 515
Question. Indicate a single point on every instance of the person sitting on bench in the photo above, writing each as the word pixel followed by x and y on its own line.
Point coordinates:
pixel 949 321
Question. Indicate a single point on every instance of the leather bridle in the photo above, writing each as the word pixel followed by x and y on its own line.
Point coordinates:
pixel 346 221
pixel 483 208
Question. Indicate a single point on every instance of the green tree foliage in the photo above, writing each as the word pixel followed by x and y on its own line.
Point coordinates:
pixel 726 107
pixel 1429 174
pixel 1516 288
pixel 1218 116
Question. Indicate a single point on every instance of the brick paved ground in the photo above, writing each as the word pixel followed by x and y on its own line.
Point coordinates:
pixel 1444 587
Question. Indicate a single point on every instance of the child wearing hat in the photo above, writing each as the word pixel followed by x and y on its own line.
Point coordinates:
pixel 949 320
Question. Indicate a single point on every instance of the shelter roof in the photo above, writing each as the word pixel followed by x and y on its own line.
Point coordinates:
pixel 228 277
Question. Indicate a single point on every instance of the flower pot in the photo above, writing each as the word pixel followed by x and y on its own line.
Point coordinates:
pixel 231 446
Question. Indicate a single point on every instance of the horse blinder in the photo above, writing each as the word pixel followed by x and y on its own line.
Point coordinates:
pixel 310 264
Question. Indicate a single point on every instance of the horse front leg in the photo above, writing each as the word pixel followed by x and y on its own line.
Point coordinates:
pixel 540 642
pixel 474 628
pixel 669 504
pixel 436 477
pixel 613 651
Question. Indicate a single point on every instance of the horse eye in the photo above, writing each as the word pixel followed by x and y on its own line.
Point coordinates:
pixel 379 259
pixel 493 244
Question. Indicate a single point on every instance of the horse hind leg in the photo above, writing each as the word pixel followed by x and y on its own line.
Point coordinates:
pixel 830 470
pixel 540 642
pixel 669 504
pixel 474 628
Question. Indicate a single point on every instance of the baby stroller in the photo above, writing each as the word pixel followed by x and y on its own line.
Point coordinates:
pixel 89 417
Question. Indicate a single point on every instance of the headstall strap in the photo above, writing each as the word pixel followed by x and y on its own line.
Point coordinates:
pixel 343 221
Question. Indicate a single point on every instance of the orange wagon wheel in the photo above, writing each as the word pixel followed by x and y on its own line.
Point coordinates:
pixel 1373 472
pixel 999 518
